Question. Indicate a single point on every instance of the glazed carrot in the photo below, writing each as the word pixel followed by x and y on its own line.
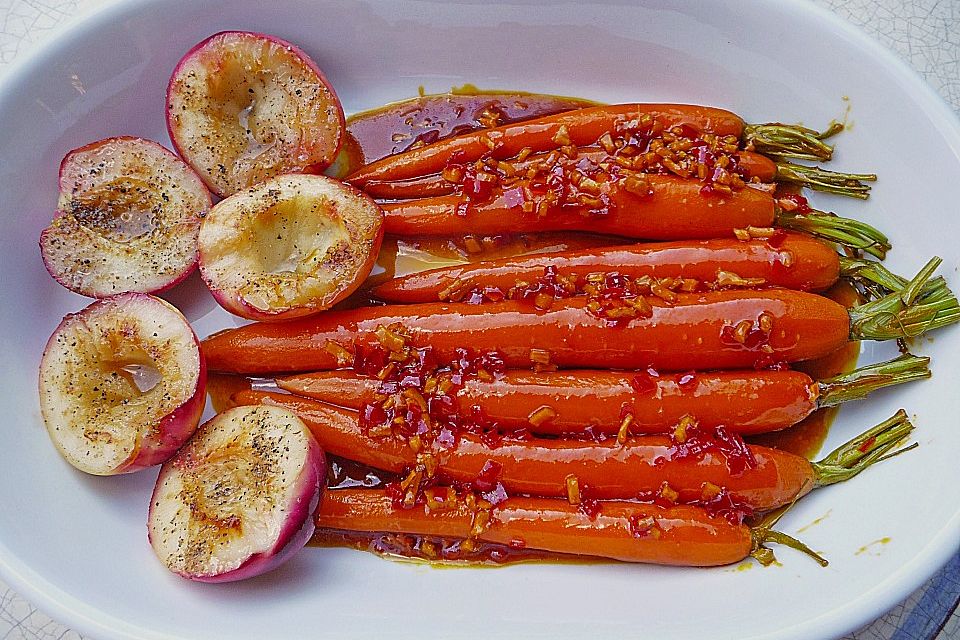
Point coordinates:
pixel 659 207
pixel 583 127
pixel 687 334
pixel 793 261
pixel 758 166
pixel 758 477
pixel 627 531
pixel 675 210
pixel 713 330
pixel 743 402
pixel 586 127
pixel 753 164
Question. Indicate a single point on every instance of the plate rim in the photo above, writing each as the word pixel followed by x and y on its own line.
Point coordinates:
pixel 74 613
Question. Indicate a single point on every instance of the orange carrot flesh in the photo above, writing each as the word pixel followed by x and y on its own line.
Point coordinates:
pixel 797 262
pixel 626 531
pixel 753 165
pixel 743 402
pixel 696 331
pixel 540 467
pixel 675 210
pixel 583 127
pixel 758 166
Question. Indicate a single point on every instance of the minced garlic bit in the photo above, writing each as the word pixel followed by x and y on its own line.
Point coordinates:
pixel 787 204
pixel 441 499
pixel 480 511
pixel 452 173
pixel 573 489
pixel 490 117
pixel 343 356
pixel 760 233
pixel 741 329
pixel 541 360
pixel 624 431
pixel 709 491
pixel 430 549
pixel 390 338
pixel 540 356
pixel 642 527
pixel 542 415
pixel 667 492
pixel 731 279
pixel 686 423
pixel 457 290
pixel 765 322
pixel 562 136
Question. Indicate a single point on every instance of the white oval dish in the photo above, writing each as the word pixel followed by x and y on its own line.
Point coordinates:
pixel 77 545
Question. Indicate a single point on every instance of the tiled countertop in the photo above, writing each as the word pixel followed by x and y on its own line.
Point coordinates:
pixel 924 32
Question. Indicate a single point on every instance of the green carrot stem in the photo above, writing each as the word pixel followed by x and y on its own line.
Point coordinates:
pixel 764 555
pixel 790 141
pixel 865 450
pixel 844 231
pixel 879 281
pixel 871 274
pixel 763 532
pixel 832 129
pixel 844 184
pixel 913 310
pixel 859 383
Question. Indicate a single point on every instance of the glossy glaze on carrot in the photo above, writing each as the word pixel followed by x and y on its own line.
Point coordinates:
pixel 691 333
pixel 396 127
pixel 584 127
pixel 744 402
pixel 676 210
pixel 540 467
pixel 796 262
pixel 680 535
pixel 753 165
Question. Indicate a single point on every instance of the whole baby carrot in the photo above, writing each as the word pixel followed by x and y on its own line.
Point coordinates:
pixel 713 330
pixel 598 402
pixel 751 165
pixel 656 207
pixel 627 531
pixel 758 477
pixel 585 127
pixel 790 260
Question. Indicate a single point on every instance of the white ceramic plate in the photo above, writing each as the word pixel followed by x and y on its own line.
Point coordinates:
pixel 76 545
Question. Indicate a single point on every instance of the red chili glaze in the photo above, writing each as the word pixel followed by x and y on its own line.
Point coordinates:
pixel 754 402
pixel 718 502
pixel 750 166
pixel 794 202
pixel 793 261
pixel 674 210
pixel 638 148
pixel 687 334
pixel 541 466
pixel 415 397
pixel 626 531
pixel 583 127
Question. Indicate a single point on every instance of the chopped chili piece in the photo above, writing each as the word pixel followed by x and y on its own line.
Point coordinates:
pixel 794 202
pixel 645 381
